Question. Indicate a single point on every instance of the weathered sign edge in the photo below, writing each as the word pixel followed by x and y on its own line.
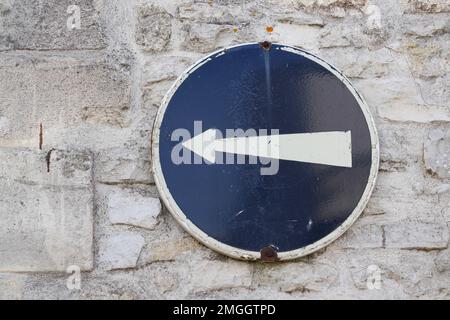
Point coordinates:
pixel 231 251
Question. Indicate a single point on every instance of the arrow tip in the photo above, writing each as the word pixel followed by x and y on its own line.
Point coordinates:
pixel 203 145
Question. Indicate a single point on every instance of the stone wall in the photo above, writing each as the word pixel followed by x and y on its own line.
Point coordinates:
pixel 76 113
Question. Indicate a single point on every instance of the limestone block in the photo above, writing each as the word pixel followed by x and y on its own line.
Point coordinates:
pixel 47 217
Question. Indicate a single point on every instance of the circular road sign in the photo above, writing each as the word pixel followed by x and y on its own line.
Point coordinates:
pixel 264 151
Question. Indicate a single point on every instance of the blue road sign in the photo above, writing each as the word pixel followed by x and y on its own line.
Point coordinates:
pixel 264 151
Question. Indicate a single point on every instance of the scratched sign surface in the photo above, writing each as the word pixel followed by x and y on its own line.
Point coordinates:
pixel 264 147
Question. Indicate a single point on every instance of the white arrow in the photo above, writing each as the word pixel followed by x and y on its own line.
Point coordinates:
pixel 332 148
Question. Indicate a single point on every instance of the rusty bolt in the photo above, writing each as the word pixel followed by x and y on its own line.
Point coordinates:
pixel 265 45
pixel 269 254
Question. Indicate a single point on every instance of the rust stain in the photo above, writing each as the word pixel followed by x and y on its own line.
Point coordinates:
pixel 47 158
pixel 41 136
pixel 269 254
